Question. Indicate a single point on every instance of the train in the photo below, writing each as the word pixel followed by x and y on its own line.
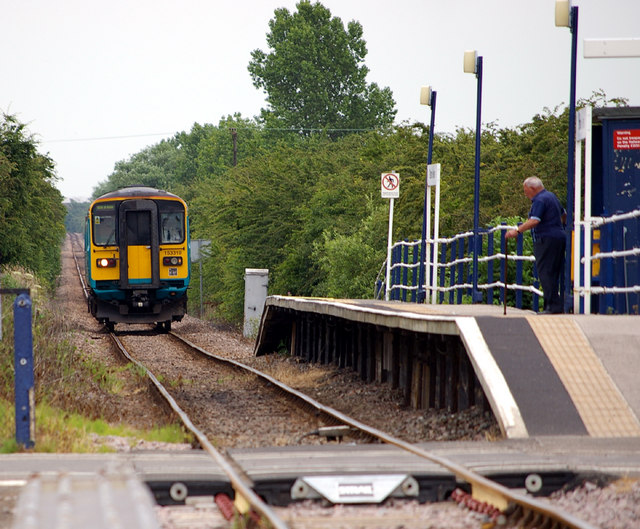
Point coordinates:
pixel 137 257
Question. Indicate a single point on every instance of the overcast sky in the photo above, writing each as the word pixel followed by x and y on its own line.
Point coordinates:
pixel 98 81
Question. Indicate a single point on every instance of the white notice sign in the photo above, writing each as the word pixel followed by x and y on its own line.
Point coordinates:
pixel 581 124
pixel 390 185
pixel 433 174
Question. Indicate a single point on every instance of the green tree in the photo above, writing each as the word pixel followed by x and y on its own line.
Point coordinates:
pixel 314 74
pixel 154 166
pixel 31 209
pixel 177 164
pixel 76 214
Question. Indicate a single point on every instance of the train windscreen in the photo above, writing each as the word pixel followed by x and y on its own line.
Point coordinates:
pixel 138 228
pixel 104 223
pixel 171 222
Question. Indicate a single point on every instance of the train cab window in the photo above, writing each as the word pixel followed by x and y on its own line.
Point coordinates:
pixel 171 222
pixel 104 224
pixel 138 228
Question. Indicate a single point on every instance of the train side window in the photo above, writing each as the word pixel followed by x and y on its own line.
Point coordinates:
pixel 171 223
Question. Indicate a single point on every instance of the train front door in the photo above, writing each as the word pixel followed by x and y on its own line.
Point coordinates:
pixel 139 244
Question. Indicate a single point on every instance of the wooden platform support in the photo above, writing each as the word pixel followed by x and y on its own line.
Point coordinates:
pixel 431 369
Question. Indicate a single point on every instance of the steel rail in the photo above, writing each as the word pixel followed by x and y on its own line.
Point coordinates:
pixel 483 489
pixel 238 484
pixel 82 281
pixel 241 488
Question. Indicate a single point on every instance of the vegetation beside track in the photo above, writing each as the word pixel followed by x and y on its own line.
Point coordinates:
pixel 66 420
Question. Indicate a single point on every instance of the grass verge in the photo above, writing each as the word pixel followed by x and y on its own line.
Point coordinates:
pixel 58 431
pixel 75 393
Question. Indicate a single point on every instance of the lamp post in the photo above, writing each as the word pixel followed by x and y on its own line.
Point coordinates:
pixel 427 97
pixel 473 64
pixel 567 16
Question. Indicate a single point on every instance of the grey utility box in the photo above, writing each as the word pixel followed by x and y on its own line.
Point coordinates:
pixel 256 281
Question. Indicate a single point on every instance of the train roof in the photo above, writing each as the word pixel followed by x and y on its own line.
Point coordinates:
pixel 138 192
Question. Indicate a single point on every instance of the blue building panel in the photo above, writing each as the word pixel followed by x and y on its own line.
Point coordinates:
pixel 616 189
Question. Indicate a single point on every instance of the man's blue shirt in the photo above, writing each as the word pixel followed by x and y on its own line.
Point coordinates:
pixel 546 208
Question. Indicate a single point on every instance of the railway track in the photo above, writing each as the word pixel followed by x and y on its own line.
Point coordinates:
pixel 503 506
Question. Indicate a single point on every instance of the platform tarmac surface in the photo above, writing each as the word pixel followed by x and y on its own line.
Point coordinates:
pixel 558 374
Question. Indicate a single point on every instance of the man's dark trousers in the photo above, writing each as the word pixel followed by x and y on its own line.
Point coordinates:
pixel 549 254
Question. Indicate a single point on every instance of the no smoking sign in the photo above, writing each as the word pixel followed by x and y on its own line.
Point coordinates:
pixel 390 185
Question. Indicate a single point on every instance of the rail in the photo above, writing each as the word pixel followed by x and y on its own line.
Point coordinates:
pixel 502 499
pixel 243 491
pixel 483 489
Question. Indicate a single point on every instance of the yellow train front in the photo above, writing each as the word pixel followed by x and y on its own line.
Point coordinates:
pixel 137 257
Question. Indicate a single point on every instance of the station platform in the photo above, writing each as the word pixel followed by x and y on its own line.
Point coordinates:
pixel 541 374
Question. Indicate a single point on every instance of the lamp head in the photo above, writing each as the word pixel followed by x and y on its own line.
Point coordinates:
pixel 425 95
pixel 470 61
pixel 563 13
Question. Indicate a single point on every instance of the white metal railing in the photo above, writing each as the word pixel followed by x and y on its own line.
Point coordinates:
pixel 432 268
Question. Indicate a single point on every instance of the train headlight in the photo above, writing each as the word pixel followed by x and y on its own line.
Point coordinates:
pixel 172 261
pixel 104 262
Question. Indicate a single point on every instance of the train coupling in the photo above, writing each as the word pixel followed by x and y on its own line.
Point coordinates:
pixel 140 299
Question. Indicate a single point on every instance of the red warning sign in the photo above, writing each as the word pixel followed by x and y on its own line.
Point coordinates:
pixel 626 139
pixel 390 185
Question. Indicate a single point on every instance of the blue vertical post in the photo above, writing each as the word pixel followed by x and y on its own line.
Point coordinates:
pixel 519 251
pixel 414 276
pixel 23 368
pixel 452 270
pixel 443 273
pixel 565 293
pixel 476 295
pixel 490 253
pixel 405 270
pixel 395 272
pixel 461 277
pixel 423 245
pixel 536 284
pixel 503 267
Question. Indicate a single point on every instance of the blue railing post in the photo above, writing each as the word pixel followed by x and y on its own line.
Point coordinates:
pixel 392 274
pixel 461 277
pixel 395 273
pixel 519 247
pixel 442 271
pixel 490 266
pixel 405 272
pixel 536 284
pixel 453 270
pixel 414 275
pixel 503 271
pixel 23 368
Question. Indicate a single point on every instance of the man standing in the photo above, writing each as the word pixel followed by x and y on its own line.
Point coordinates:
pixel 546 221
